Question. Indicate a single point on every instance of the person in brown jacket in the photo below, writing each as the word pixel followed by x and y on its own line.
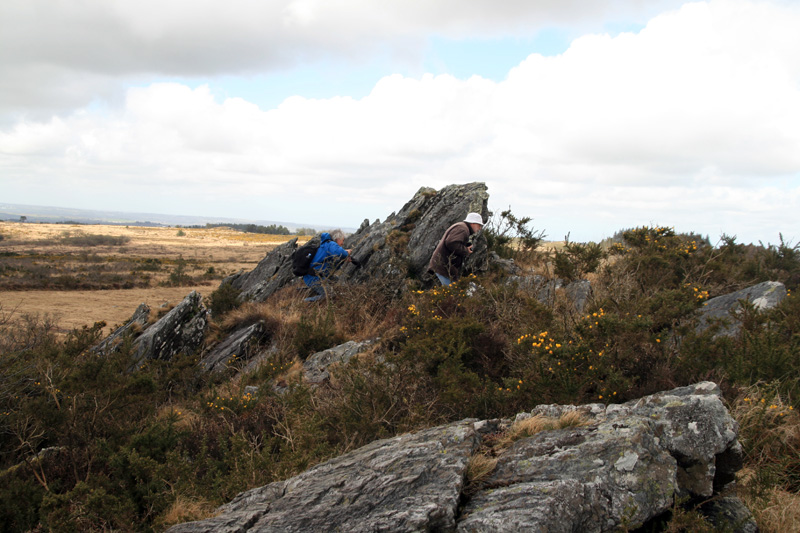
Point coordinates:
pixel 454 248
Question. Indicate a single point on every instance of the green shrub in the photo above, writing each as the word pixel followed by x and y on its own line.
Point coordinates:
pixel 577 259
pixel 223 300
pixel 510 237
pixel 178 276
pixel 316 331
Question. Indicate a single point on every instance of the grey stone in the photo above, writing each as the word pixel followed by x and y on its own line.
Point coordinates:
pixel 240 346
pixel 315 368
pixel 270 275
pixel 507 266
pixel 593 478
pixel 181 330
pixel 545 290
pixel 408 483
pixel 578 292
pixel 728 513
pixel 723 309
pixel 625 466
pixel 131 328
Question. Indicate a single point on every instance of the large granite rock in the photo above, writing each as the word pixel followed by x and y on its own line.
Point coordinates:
pixel 237 348
pixel 722 311
pixel 315 368
pixel 180 331
pixel 622 467
pixel 137 323
pixel 408 483
pixel 402 245
pixel 271 274
pixel 393 250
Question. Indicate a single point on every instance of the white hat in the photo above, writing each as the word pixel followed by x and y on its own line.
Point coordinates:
pixel 474 218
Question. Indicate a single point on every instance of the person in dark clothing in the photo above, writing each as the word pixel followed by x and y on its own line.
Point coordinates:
pixel 454 248
pixel 329 256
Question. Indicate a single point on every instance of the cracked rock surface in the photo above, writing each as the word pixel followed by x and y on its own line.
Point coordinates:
pixel 623 466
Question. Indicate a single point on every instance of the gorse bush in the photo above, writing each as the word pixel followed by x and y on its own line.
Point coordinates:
pixel 509 236
pixel 89 445
pixel 577 259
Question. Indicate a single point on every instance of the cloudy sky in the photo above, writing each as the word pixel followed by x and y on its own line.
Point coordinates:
pixel 590 117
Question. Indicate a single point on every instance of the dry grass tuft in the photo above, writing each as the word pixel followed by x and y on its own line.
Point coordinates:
pixel 479 467
pixel 536 424
pixel 769 430
pixel 185 509
pixel 185 416
pixel 777 512
pixel 250 313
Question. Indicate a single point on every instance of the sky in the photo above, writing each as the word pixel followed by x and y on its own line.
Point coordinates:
pixel 588 117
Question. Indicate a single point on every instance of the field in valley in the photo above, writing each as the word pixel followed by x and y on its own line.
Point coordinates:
pixel 81 274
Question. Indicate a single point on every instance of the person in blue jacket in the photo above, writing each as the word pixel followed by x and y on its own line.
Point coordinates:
pixel 328 257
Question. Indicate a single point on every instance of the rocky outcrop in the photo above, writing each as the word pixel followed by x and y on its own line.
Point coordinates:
pixel 627 465
pixel 402 245
pixel 271 274
pixel 546 289
pixel 722 310
pixel 620 467
pixel 136 324
pixel 180 331
pixel 238 347
pixel 393 250
pixel 408 483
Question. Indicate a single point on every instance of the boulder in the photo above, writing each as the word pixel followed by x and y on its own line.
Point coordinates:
pixel 546 289
pixel 621 467
pixel 578 292
pixel 181 330
pixel 136 324
pixel 506 266
pixel 315 368
pixel 723 310
pixel 239 346
pixel 271 274
pixel 407 483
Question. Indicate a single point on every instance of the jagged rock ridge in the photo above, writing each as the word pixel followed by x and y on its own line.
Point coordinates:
pixel 393 250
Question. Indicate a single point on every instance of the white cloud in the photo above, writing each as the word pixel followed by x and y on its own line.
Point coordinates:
pixel 54 55
pixel 694 119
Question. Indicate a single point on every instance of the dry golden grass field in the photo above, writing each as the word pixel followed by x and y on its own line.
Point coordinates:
pixel 137 263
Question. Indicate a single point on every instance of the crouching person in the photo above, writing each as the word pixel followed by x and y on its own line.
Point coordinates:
pixel 329 256
pixel 454 248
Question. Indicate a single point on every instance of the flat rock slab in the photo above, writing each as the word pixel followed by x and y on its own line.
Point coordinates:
pixel 407 483
pixel 621 467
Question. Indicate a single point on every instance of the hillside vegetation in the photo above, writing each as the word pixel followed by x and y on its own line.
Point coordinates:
pixel 88 445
